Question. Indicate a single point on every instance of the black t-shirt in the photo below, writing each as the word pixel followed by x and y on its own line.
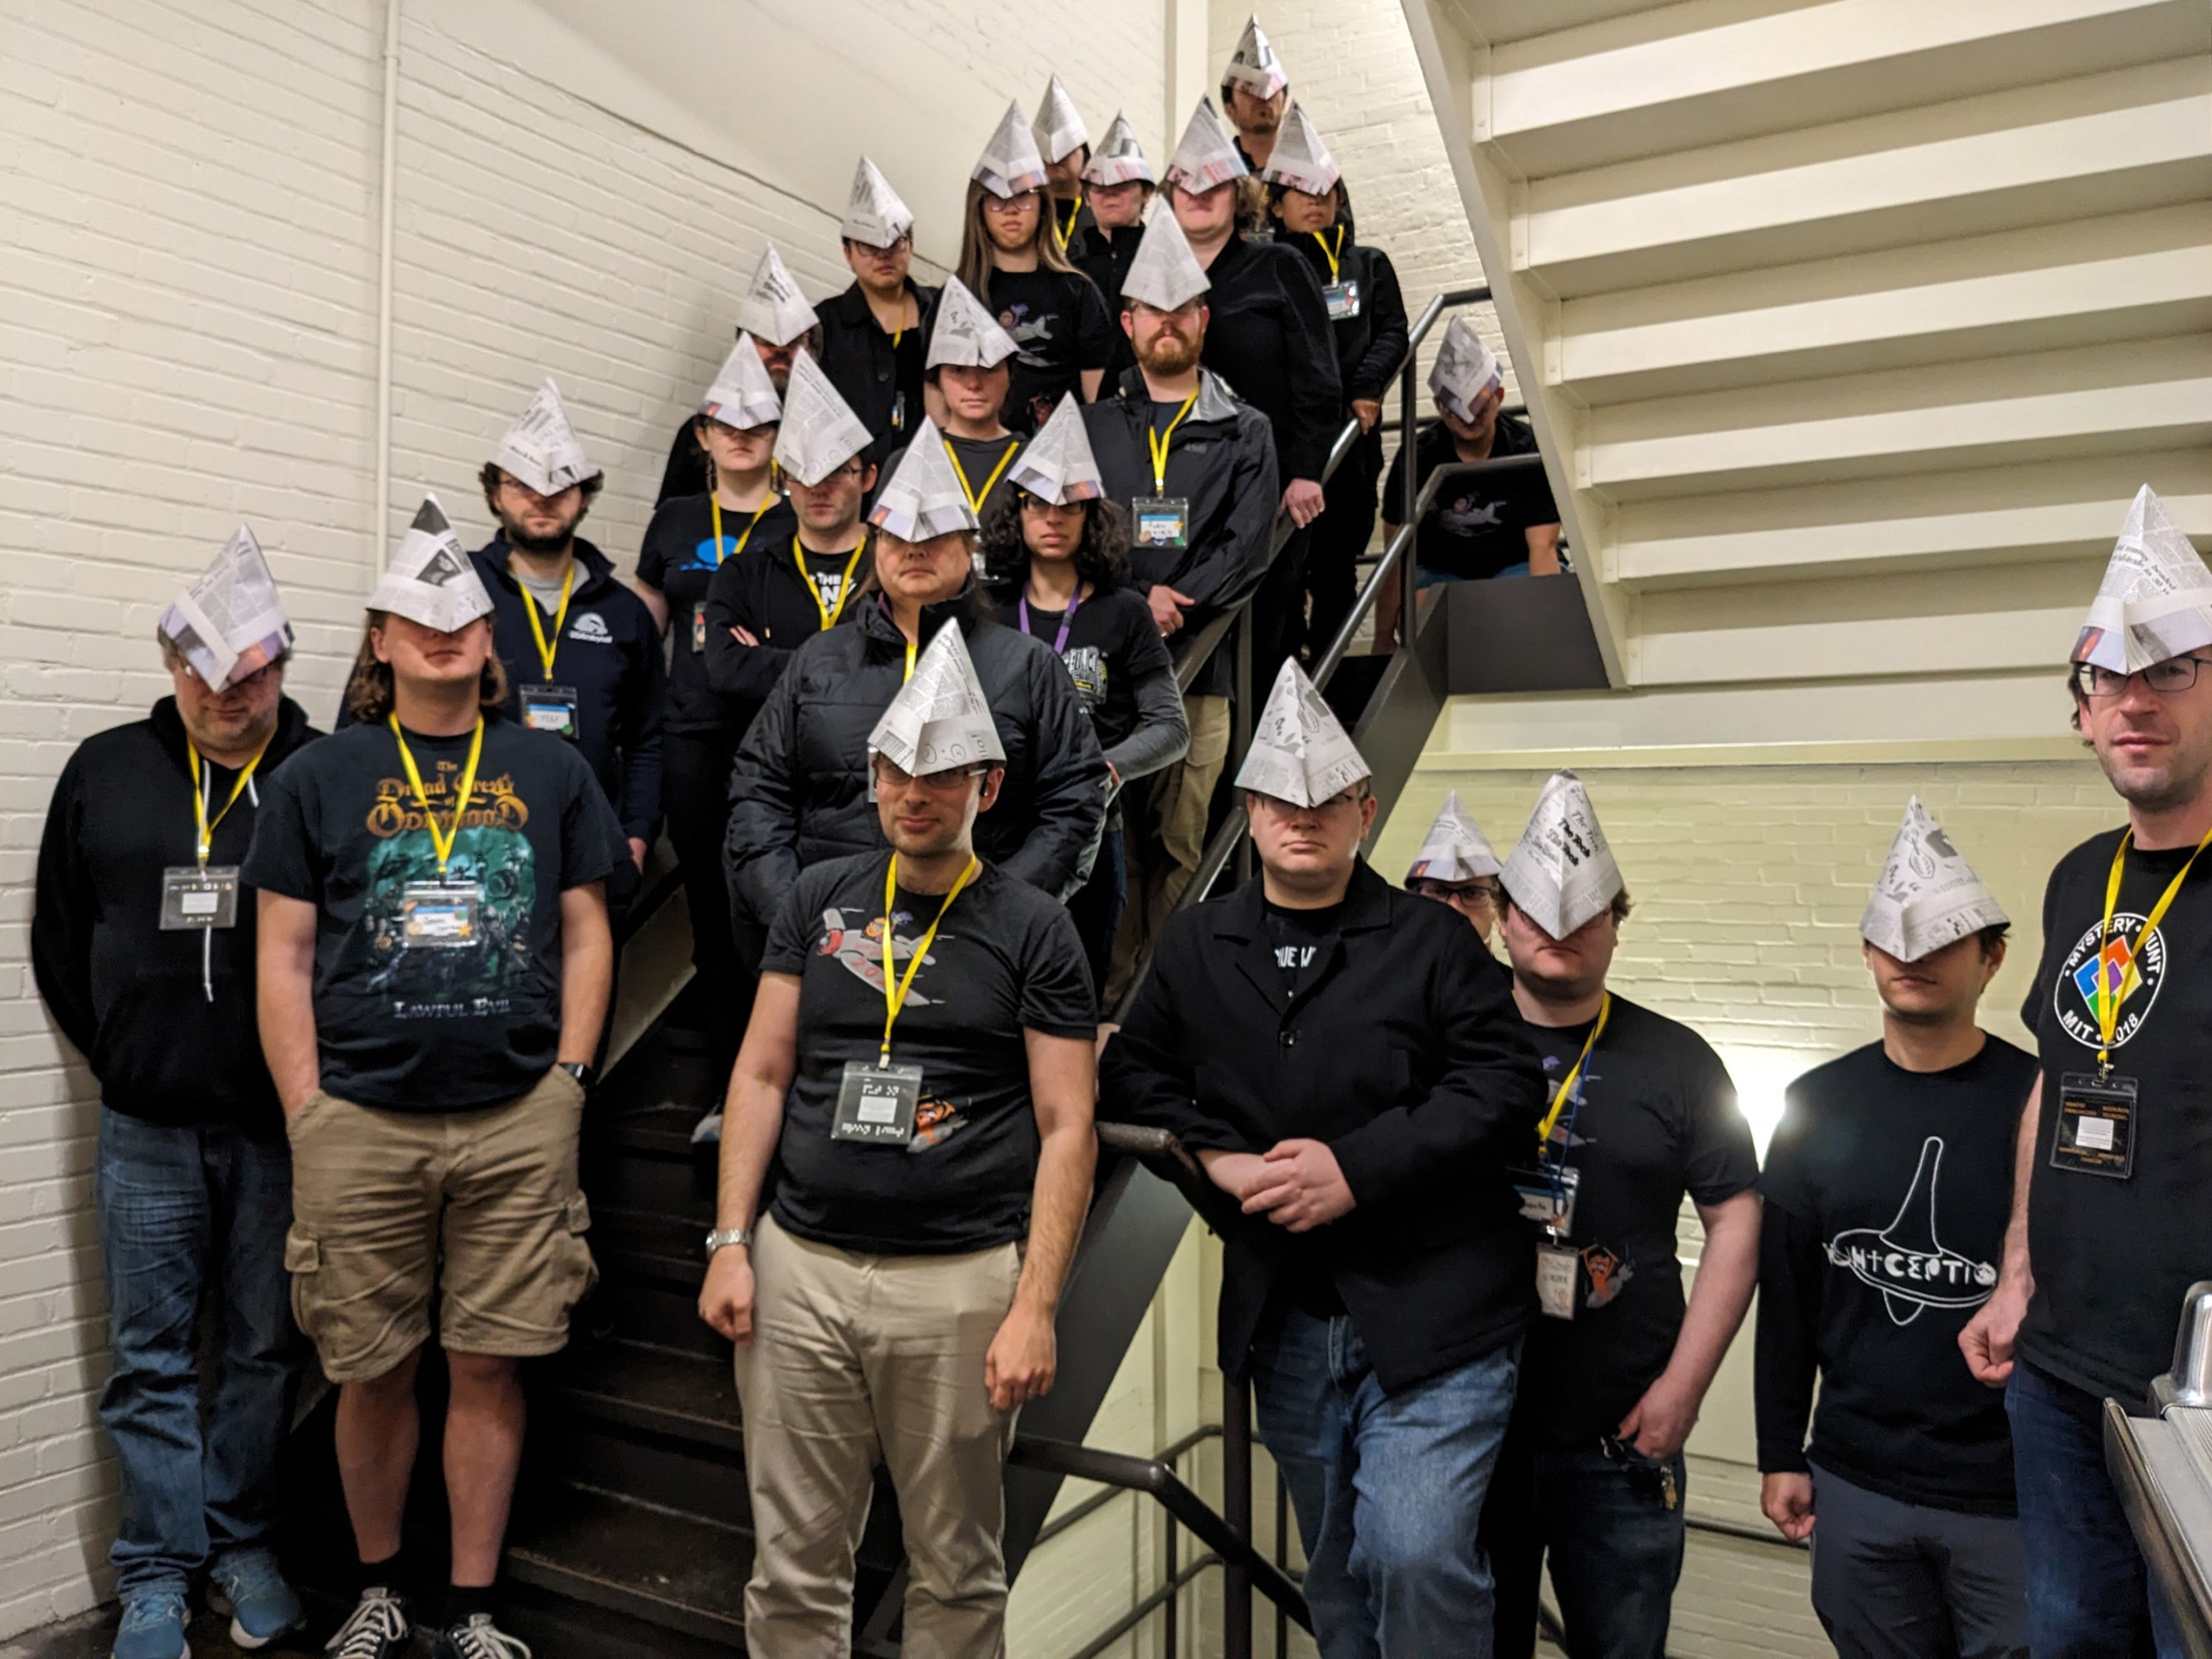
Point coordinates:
pixel 1887 1192
pixel 1477 526
pixel 1299 939
pixel 1112 644
pixel 984 464
pixel 1060 328
pixel 679 557
pixel 1658 1120
pixel 2112 1259
pixel 431 1028
pixel 1006 961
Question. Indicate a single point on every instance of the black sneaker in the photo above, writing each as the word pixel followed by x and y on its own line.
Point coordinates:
pixel 377 1628
pixel 476 1637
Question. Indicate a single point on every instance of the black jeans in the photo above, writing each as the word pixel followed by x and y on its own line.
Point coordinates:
pixel 1097 905
pixel 697 787
pixel 1339 537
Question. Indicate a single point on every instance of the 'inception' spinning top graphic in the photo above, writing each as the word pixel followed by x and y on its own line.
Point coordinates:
pixel 1905 1261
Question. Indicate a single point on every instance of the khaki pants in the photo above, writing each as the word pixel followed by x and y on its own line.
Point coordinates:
pixel 857 1359
pixel 1166 835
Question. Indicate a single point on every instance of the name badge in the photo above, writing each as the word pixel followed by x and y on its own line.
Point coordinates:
pixel 698 627
pixel 1550 1205
pixel 550 708
pixel 876 1104
pixel 193 897
pixel 1162 520
pixel 2096 1126
pixel 898 411
pixel 1557 1269
pixel 1342 300
pixel 440 915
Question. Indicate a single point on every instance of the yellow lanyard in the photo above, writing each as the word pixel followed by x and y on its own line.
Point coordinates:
pixel 2110 996
pixel 205 841
pixel 714 508
pixel 1160 442
pixel 1333 254
pixel 909 662
pixel 977 497
pixel 844 588
pixel 443 842
pixel 1065 232
pixel 896 1000
pixel 1574 1076
pixel 546 651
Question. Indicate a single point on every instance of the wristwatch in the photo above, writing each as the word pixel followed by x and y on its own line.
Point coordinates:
pixel 577 1069
pixel 723 1237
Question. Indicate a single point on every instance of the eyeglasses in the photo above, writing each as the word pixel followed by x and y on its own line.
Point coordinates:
pixel 1044 508
pixel 1446 892
pixel 889 776
pixel 2174 674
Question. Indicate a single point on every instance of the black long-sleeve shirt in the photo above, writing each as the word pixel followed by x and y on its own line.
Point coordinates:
pixel 1371 344
pixel 1268 338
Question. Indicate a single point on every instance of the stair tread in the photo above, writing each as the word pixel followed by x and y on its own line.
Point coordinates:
pixel 659 1564
pixel 692 1396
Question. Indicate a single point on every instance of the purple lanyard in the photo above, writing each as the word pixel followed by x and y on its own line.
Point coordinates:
pixel 1066 621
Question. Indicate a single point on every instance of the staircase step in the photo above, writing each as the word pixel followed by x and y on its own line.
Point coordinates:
pixel 657 1565
pixel 643 1244
pixel 686 1397
pixel 559 1626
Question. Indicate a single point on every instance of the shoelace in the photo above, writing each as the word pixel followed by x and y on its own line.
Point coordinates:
pixel 375 1620
pixel 482 1639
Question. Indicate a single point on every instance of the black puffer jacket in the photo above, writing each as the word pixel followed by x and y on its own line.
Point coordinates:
pixel 798 793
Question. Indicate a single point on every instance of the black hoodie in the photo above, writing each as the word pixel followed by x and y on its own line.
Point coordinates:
pixel 166 1019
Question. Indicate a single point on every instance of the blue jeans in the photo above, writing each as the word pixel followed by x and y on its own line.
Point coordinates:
pixel 186 1214
pixel 2089 1596
pixel 1388 1488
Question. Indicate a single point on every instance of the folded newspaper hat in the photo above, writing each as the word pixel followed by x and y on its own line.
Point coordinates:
pixel 1465 369
pixel 924 497
pixel 1119 159
pixel 875 215
pixel 1204 158
pixel 773 309
pixel 2155 601
pixel 1163 272
pixel 1009 163
pixel 820 433
pixel 1057 466
pixel 1058 129
pixel 230 623
pixel 1561 873
pixel 1455 849
pixel 963 335
pixel 430 580
pixel 940 719
pixel 1254 67
pixel 742 395
pixel 1300 752
pixel 1299 159
pixel 540 451
pixel 1929 895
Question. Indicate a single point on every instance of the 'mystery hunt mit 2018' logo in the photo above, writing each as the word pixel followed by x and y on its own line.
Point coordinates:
pixel 2093 972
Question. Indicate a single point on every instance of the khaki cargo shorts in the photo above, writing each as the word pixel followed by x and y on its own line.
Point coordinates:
pixel 389 1207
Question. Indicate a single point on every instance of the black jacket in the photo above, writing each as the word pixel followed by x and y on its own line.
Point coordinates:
pixel 1268 338
pixel 877 380
pixel 1402 1050
pixel 134 1000
pixel 763 593
pixel 798 792
pixel 1105 260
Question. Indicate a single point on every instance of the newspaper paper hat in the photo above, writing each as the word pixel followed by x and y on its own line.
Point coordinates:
pixel 962 334
pixel 820 433
pixel 1057 466
pixel 1465 369
pixel 924 497
pixel 430 580
pixel 1255 67
pixel 940 719
pixel 742 395
pixel 1300 752
pixel 1119 159
pixel 1059 129
pixel 1204 158
pixel 875 216
pixel 230 623
pixel 2155 601
pixel 1929 895
pixel 1561 872
pixel 1163 272
pixel 1299 159
pixel 773 309
pixel 1009 163
pixel 540 451
pixel 1455 849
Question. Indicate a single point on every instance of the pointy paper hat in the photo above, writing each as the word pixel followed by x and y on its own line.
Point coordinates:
pixel 1204 158
pixel 773 309
pixel 430 580
pixel 1455 849
pixel 1465 369
pixel 1058 129
pixel 874 214
pixel 540 450
pixel 742 395
pixel 2155 601
pixel 1300 752
pixel 1929 895
pixel 1119 158
pixel 820 433
pixel 964 335
pixel 1561 872
pixel 230 623
pixel 1057 465
pixel 1163 272
pixel 923 498
pixel 940 719
pixel 1254 67
pixel 1009 163
pixel 1299 159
